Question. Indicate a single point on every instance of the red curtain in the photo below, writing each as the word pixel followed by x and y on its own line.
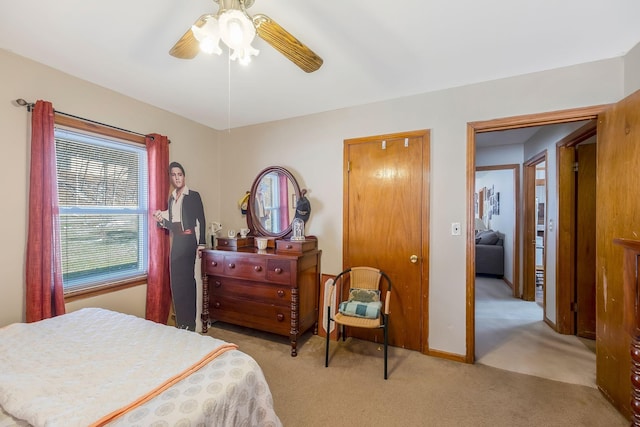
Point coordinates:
pixel 158 288
pixel 44 293
pixel 283 185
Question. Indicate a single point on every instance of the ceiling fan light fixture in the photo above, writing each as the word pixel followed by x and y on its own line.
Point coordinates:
pixel 208 36
pixel 244 55
pixel 237 31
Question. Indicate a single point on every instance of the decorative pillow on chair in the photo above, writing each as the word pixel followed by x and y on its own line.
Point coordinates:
pixel 362 303
pixel 364 295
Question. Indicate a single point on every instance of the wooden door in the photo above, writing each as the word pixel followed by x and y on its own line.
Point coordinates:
pixel 618 214
pixel 386 198
pixel 586 241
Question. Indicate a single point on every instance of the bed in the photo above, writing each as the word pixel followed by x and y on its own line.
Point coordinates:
pixel 96 367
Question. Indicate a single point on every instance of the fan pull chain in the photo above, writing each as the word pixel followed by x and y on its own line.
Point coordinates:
pixel 229 91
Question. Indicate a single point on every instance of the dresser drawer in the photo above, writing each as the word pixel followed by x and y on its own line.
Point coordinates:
pixel 253 314
pixel 267 293
pixel 213 264
pixel 245 267
pixel 279 271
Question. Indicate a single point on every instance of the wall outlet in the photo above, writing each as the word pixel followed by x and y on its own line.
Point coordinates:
pixel 455 228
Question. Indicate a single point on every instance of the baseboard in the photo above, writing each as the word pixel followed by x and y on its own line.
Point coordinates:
pixel 445 355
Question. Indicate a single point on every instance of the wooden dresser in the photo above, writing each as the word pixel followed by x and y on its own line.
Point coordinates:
pixel 631 317
pixel 274 290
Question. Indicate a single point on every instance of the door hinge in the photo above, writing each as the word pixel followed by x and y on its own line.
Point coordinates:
pixel 348 165
pixel 575 167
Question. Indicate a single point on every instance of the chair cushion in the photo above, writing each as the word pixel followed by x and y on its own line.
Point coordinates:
pixel 369 310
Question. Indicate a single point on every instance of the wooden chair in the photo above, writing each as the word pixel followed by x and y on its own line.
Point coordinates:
pixel 366 307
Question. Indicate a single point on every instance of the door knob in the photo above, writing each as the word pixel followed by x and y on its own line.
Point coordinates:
pixel 413 258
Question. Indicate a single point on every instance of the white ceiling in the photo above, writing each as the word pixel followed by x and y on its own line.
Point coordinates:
pixel 373 50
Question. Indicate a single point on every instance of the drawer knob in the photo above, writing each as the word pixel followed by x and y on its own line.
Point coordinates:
pixel 280 317
pixel 280 293
pixel 214 263
pixel 217 283
pixel 232 265
pixel 216 304
pixel 278 270
pixel 289 246
pixel 258 268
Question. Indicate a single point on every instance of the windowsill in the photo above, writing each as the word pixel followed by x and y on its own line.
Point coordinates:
pixel 103 288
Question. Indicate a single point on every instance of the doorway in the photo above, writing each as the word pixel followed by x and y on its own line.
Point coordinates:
pixel 490 126
pixel 535 227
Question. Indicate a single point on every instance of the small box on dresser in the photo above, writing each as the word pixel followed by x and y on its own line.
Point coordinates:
pixel 233 243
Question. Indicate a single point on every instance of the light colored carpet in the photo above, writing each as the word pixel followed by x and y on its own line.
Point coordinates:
pixel 511 335
pixel 421 390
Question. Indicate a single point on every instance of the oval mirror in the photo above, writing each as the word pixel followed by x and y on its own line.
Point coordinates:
pixel 272 202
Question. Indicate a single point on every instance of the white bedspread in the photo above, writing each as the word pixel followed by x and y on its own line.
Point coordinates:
pixel 74 369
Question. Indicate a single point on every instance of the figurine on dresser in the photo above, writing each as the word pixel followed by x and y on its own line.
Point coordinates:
pixel 184 218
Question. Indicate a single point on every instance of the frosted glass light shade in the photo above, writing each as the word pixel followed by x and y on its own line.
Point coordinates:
pixel 208 36
pixel 237 31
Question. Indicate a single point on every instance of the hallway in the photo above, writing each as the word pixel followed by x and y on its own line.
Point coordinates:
pixel 511 335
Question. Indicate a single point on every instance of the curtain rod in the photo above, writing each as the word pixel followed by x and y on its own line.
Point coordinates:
pixel 22 103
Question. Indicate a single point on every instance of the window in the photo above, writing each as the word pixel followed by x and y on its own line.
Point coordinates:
pixel 102 193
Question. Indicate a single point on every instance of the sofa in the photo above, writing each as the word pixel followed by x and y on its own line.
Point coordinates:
pixel 490 253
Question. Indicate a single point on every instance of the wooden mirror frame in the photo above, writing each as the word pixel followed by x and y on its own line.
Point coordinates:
pixel 253 223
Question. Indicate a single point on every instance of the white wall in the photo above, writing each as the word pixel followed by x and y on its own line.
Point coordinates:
pixel 311 147
pixel 632 70
pixel 194 145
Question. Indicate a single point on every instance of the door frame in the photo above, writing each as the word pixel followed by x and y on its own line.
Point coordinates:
pixel 566 253
pixel 530 227
pixel 561 116
pixel 425 136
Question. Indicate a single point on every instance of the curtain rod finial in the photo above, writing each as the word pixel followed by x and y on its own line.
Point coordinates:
pixel 22 103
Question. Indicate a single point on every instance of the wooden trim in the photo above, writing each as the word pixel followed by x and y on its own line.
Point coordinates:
pixel 470 265
pixel 71 122
pixel 448 356
pixel 539 119
pixel 529 251
pixel 103 289
pixel 426 215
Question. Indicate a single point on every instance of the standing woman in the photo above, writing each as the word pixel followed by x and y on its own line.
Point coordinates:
pixel 185 220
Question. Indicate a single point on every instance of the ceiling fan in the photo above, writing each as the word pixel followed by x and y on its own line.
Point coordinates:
pixel 237 29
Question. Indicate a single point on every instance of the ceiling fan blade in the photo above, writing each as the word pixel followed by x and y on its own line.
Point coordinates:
pixel 187 47
pixel 286 44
